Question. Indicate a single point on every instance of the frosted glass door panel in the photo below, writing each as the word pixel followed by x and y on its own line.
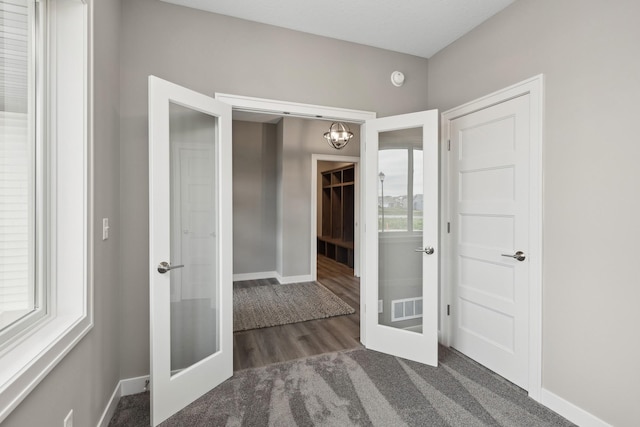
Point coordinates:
pixel 194 288
pixel 400 199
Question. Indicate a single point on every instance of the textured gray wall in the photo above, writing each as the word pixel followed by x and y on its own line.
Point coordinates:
pixel 254 197
pixel 588 51
pixel 213 53
pixel 86 377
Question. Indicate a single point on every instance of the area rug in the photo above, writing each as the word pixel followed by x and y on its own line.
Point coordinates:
pixel 272 305
pixel 356 388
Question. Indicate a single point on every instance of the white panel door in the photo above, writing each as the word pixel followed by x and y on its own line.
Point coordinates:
pixel 190 219
pixel 401 236
pixel 490 223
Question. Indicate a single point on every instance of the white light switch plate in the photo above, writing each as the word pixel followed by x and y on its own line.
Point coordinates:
pixel 105 228
pixel 68 420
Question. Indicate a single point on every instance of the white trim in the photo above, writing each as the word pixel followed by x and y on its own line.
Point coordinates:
pixel 294 109
pixel 285 280
pixel 255 276
pixel 315 158
pixel 110 409
pixel 124 387
pixel 533 87
pixel 134 385
pixel 570 411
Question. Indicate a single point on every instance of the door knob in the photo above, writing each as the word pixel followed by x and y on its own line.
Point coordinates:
pixel 428 250
pixel 164 266
pixel 518 256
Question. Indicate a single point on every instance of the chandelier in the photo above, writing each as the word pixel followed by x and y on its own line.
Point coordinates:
pixel 338 135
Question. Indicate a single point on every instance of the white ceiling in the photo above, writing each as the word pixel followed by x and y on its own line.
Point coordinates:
pixel 416 27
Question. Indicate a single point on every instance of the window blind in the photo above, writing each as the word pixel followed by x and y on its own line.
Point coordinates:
pixel 16 152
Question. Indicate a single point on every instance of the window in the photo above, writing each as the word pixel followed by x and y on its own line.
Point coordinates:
pixel 45 177
pixel 21 284
pixel 400 194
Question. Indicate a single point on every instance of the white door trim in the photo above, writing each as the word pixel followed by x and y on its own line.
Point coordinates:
pixel 294 109
pixel 534 87
pixel 315 158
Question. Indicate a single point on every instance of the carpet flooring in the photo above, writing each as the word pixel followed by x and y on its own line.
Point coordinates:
pixel 356 388
pixel 272 305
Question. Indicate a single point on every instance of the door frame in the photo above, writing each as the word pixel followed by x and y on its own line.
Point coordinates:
pixel 315 112
pixel 534 87
pixel 315 158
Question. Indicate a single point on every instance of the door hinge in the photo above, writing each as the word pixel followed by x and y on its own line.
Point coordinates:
pixel 449 145
pixel 448 227
pixel 448 310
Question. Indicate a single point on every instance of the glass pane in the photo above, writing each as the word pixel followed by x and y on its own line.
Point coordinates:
pixel 18 293
pixel 400 212
pixel 194 288
pixel 392 192
pixel 418 198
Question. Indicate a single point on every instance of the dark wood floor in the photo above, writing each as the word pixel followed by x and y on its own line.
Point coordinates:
pixel 260 347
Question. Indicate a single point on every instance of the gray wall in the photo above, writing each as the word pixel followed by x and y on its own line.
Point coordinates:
pixel 588 51
pixel 254 197
pixel 86 377
pixel 213 53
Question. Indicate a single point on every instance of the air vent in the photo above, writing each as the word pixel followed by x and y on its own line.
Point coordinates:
pixel 405 309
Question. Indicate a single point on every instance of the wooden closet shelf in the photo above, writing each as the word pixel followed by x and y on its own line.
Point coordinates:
pixel 337 242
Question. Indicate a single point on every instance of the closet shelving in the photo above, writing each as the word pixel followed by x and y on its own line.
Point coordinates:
pixel 338 193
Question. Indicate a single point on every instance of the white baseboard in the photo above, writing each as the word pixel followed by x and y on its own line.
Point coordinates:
pixel 254 276
pixel 294 279
pixel 131 386
pixel 123 388
pixel 570 411
pixel 272 275
pixel 111 407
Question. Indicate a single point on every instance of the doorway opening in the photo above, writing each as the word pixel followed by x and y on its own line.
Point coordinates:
pixel 276 239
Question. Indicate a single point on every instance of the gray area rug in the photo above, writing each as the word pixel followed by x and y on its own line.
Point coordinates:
pixel 271 305
pixel 356 388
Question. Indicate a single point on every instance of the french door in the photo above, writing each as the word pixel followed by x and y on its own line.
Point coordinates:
pixel 190 246
pixel 401 236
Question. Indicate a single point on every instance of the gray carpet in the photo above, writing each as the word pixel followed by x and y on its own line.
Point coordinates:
pixel 272 305
pixel 356 388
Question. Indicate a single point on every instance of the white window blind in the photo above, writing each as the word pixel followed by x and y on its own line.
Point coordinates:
pixel 17 162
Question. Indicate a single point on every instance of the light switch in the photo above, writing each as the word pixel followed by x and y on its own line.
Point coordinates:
pixel 105 228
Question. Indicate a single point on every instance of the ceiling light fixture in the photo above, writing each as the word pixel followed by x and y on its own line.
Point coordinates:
pixel 338 135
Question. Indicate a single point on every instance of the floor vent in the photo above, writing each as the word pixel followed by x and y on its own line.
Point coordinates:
pixel 405 309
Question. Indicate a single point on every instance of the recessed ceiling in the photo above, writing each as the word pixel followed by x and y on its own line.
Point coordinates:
pixel 416 27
